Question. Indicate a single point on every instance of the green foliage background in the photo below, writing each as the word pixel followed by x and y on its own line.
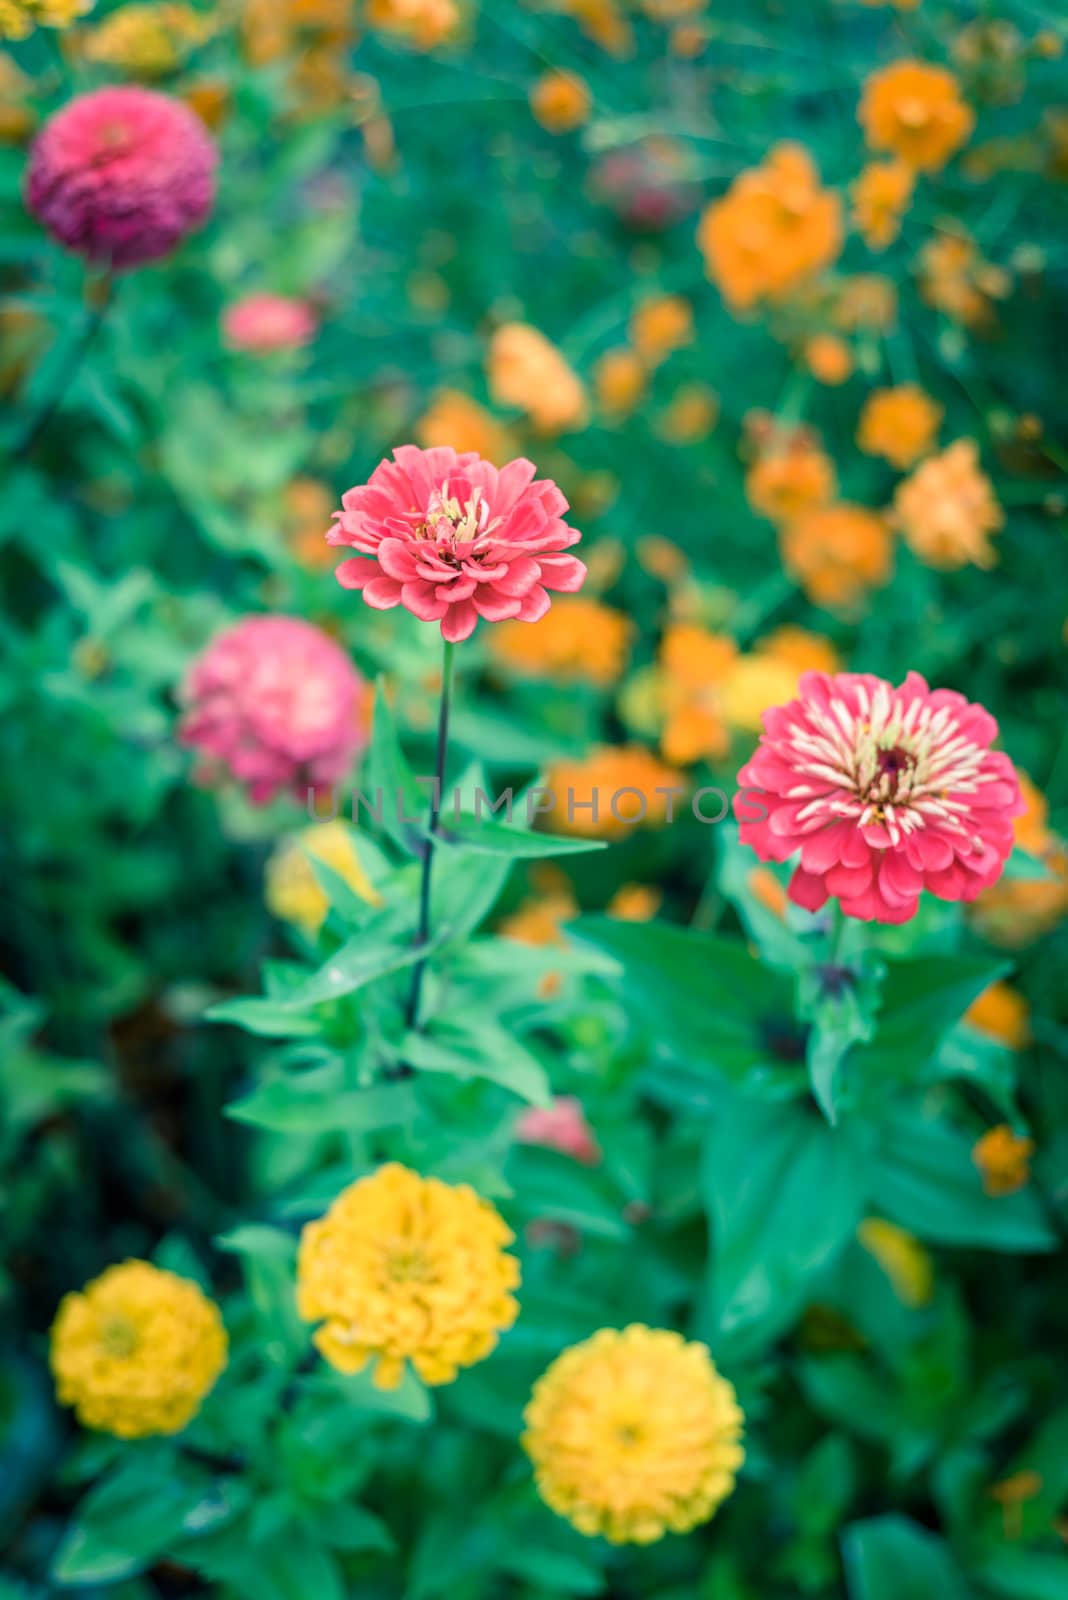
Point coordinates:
pixel 181 1079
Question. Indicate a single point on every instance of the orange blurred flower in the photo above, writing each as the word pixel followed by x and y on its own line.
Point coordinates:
pixel 805 651
pixel 915 112
pixel 829 359
pixel 1015 911
pixel 1003 1159
pixel 604 23
pixel 560 101
pixel 866 301
pixel 539 921
pixel 767 891
pixel 527 371
pixel 616 788
pixel 691 415
pixel 789 478
pixel 308 507
pixel 956 280
pixel 881 196
pixel 947 510
pixel 424 24
pixel 899 424
pixel 578 640
pixel 619 381
pixel 635 902
pixel 1003 1013
pixel 455 419
pixel 17 120
pixel 662 559
pixel 661 325
pixel 837 553
pixel 775 228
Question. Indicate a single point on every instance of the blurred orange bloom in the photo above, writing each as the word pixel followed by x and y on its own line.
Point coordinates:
pixel 829 359
pixel 421 23
pixel 837 553
pixel 899 424
pixel 578 640
pixel 881 196
pixel 1015 911
pixel 805 651
pixel 788 480
pixel 774 229
pixel 868 301
pixel 603 22
pixel 691 415
pixel 1003 1159
pixel 528 372
pixel 915 112
pixel 635 902
pixel 455 419
pixel 619 379
pixel 560 101
pixel 1003 1013
pixel 308 506
pixel 947 510
pixel 615 789
pixel 662 559
pixel 661 325
pixel 694 667
pixel 956 280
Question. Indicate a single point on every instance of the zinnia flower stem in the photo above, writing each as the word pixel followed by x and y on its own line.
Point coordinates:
pixel 99 299
pixel 423 934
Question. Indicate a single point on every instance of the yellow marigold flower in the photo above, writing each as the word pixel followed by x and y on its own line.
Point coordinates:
pixel 560 101
pixel 903 1259
pixel 955 279
pixel 755 683
pixel 147 41
pixel 782 483
pixel 635 902
pixel 1003 1159
pixel 829 359
pixel 837 553
pixel 661 325
pixel 634 1434
pixel 404 1268
pixel 457 420
pixel 915 112
pixel 947 510
pixel 136 1350
pixel 615 789
pixel 899 424
pixel 528 372
pixel 1014 911
pixel 421 23
pixel 619 381
pixel 881 196
pixel 294 893
pixel 577 640
pixel 18 18
pixel 804 651
pixel 1003 1013
pixel 775 229
pixel 691 416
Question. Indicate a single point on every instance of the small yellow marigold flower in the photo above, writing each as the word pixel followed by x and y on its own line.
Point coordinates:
pixel 899 424
pixel 902 1257
pixel 1002 1012
pixel 634 1434
pixel 635 902
pixel 146 41
pixel 915 112
pixel 784 482
pixel 404 1268
pixel 136 1351
pixel 1003 1159
pixel 829 359
pixel 755 683
pixel 691 416
pixel 528 372
pixel 578 640
pixel 947 510
pixel 294 893
pixel 804 651
pixel 424 24
pixel 560 101
pixel 619 381
pixel 837 553
pixel 455 419
pixel 615 789
pixel 18 18
pixel 661 325
pixel 881 196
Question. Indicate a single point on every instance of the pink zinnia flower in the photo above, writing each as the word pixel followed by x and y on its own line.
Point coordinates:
pixel 561 1126
pixel 883 791
pixel 274 701
pixel 452 538
pixel 264 323
pixel 121 175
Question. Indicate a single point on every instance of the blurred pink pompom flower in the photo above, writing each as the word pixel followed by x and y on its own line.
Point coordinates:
pixel 264 323
pixel 121 175
pixel 276 703
pixel 561 1126
pixel 884 792
pixel 452 539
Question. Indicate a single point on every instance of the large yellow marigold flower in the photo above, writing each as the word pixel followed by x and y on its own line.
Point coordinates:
pixel 147 41
pixel 899 424
pixel 634 1434
pixel 947 510
pixel 404 1268
pixel 528 372
pixel 136 1351
pixel 915 112
pixel 774 229
pixel 294 893
pixel 18 18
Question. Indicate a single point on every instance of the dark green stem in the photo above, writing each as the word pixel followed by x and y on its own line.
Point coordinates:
pixel 94 317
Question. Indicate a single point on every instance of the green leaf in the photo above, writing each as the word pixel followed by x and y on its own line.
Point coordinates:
pixel 784 1193
pixel 311 1103
pixel 891 1558
pixel 481 1050
pixel 489 838
pixel 921 1000
pixel 136 1515
pixel 271 1019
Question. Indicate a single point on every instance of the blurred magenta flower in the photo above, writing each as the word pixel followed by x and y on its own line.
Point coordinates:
pixel 452 539
pixel 561 1126
pixel 263 323
pixel 121 175
pixel 277 704
pixel 884 792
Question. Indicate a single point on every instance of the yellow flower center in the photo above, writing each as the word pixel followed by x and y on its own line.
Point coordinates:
pixel 118 1337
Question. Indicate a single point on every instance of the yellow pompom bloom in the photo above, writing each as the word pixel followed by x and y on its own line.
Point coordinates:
pixel 560 101
pixel 634 1434
pixel 136 1351
pixel 755 683
pixel 948 511
pixel 404 1268
pixel 903 1259
pixel 18 18
pixel 146 41
pixel 915 112
pixel 526 371
pixel 661 325
pixel 294 893
pixel 899 424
